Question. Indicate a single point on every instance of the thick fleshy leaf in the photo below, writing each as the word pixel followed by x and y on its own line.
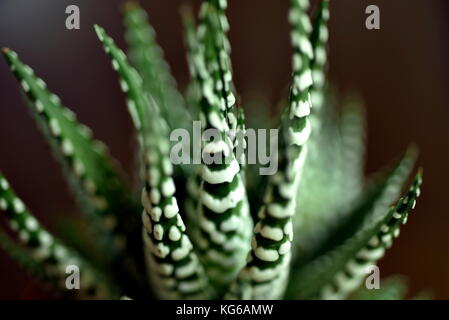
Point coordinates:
pixel 224 223
pixel 319 191
pixel 338 272
pixel 91 171
pixel 21 256
pixel 240 144
pixel 374 201
pixel 212 33
pixel 334 176
pixel 174 269
pixel 344 221
pixel 195 56
pixel 352 132
pixel 319 39
pixel 53 258
pixel 147 57
pixel 266 274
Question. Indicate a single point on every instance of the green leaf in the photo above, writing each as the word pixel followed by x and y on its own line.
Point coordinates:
pixel 265 276
pixel 319 39
pixel 374 201
pixel 240 142
pixel 212 34
pixel 319 193
pixel 334 177
pixel 223 213
pixel 92 173
pixel 318 197
pixel 174 269
pixel 352 132
pixel 194 59
pixel 344 222
pixel 337 272
pixel 21 256
pixel 51 256
pixel 147 57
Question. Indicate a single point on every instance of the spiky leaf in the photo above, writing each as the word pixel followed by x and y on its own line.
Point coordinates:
pixel 21 256
pixel 173 267
pixel 223 216
pixel 338 272
pixel 147 57
pixel 266 274
pixel 91 171
pixel 48 256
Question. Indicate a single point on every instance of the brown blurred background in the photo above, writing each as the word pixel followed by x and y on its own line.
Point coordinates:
pixel 401 71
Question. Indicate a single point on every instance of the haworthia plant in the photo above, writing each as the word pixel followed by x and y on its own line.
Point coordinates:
pixel 215 230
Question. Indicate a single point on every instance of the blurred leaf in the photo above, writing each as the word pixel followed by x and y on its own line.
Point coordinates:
pixel 339 271
pixel 173 267
pixel 375 200
pixel 90 170
pixel 47 256
pixel 21 256
pixel 147 57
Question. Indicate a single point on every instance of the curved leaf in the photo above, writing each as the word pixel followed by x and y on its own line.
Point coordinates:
pixel 378 195
pixel 222 216
pixel 265 276
pixel 49 257
pixel 147 57
pixel 341 270
pixel 91 171
pixel 173 267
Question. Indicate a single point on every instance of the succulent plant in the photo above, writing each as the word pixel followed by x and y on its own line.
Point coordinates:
pixel 215 230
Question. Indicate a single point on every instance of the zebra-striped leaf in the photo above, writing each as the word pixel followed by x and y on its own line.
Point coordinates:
pixel 266 274
pixel 47 255
pixel 147 57
pixel 223 216
pixel 92 173
pixel 173 267
pixel 338 272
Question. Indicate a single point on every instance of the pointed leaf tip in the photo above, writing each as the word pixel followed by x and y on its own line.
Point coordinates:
pixel 420 172
pixel 98 29
pixel 9 55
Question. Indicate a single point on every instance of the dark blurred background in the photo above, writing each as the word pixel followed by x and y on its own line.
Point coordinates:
pixel 401 71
